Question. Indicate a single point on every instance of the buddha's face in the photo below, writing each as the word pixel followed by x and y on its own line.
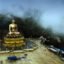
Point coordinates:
pixel 13 21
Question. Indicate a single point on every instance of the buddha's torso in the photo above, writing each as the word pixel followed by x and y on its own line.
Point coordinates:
pixel 13 27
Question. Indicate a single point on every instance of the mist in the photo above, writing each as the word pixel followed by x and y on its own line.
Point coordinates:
pixel 49 13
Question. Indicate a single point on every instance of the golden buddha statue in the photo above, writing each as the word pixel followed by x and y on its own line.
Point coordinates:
pixel 13 28
pixel 13 38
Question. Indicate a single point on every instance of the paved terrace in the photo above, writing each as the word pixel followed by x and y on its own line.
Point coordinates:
pixel 39 56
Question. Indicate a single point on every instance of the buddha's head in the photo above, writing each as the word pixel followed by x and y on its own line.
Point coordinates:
pixel 13 21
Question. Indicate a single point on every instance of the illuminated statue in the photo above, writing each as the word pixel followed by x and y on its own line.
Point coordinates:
pixel 14 38
pixel 13 28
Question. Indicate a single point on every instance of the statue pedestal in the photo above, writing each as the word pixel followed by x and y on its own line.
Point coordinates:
pixel 14 40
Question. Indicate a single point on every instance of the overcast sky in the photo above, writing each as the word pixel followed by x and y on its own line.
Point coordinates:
pixel 51 11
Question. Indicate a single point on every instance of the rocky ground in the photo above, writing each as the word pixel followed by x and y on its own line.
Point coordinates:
pixel 40 56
